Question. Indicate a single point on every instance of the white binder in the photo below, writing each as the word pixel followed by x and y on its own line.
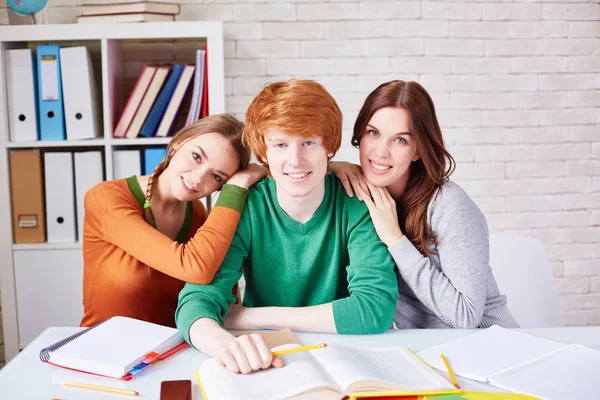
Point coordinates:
pixel 82 115
pixel 127 163
pixel 88 173
pixel 60 197
pixel 21 95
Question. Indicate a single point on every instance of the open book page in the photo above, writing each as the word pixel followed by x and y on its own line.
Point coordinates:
pixel 378 369
pixel 572 372
pixel 487 352
pixel 300 374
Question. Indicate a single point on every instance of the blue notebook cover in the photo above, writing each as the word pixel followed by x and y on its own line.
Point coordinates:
pixel 162 101
pixel 50 97
pixel 152 157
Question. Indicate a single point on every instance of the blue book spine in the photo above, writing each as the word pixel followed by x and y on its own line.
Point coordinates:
pixel 50 97
pixel 152 157
pixel 162 101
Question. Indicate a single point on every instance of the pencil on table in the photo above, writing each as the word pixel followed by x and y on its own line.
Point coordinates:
pixel 452 377
pixel 102 388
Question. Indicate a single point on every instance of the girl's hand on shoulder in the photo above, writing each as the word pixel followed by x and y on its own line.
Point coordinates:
pixel 248 176
pixel 247 353
pixel 384 215
pixel 350 175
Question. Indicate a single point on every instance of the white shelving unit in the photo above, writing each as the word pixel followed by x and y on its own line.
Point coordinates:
pixel 40 284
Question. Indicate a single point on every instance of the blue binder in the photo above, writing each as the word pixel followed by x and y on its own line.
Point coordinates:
pixel 50 98
pixel 162 101
pixel 152 157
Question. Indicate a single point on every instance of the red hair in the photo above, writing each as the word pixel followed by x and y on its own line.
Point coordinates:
pixel 298 107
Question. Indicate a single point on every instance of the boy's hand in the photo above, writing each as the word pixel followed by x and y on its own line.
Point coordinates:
pixel 247 353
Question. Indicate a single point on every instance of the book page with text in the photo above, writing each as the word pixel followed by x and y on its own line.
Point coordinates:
pixel 393 368
pixel 301 373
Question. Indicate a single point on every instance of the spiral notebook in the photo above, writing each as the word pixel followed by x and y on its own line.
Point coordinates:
pixel 119 347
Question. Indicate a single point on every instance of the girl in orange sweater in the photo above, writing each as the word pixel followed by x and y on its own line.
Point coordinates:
pixel 145 236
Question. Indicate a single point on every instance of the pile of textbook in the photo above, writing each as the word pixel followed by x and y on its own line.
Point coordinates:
pixel 142 11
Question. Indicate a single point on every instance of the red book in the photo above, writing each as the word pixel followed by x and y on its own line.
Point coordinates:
pixel 204 108
pixel 135 98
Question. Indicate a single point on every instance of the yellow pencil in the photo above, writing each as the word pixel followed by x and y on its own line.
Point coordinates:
pixel 452 377
pixel 103 388
pixel 298 349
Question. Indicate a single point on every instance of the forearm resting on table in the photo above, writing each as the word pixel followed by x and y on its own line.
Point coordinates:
pixel 208 336
pixel 301 319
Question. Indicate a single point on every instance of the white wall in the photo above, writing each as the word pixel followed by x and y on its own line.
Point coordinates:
pixel 516 85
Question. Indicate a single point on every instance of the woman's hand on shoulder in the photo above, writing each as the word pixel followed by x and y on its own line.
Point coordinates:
pixel 350 175
pixel 248 176
pixel 247 353
pixel 384 214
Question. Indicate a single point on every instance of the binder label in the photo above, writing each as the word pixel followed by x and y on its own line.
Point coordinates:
pixel 49 71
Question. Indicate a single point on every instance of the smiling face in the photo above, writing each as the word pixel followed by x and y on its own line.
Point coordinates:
pixel 298 165
pixel 201 166
pixel 387 147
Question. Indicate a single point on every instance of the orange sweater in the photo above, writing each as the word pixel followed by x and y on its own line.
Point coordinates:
pixel 131 269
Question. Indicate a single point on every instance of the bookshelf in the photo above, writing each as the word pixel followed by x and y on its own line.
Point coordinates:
pixel 40 283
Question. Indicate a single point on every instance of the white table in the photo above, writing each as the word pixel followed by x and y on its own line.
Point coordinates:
pixel 26 377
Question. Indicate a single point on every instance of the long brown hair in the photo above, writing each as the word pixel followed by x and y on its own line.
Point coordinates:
pixel 227 125
pixel 430 171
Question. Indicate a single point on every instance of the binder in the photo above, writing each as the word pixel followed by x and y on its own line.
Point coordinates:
pixel 50 100
pixel 88 173
pixel 149 98
pixel 82 112
pixel 160 105
pixel 60 197
pixel 152 157
pixel 119 347
pixel 178 94
pixel 27 196
pixel 21 90
pixel 135 98
pixel 127 163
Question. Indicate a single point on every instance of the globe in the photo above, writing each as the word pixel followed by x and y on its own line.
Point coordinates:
pixel 26 7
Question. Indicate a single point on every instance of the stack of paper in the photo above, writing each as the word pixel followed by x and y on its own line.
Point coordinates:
pixel 521 363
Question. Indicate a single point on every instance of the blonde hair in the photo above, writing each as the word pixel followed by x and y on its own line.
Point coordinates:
pixel 298 107
pixel 224 124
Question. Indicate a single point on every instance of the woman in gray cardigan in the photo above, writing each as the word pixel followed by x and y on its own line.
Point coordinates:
pixel 436 234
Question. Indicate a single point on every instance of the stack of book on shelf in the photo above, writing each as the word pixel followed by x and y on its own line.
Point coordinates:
pixel 158 95
pixel 142 11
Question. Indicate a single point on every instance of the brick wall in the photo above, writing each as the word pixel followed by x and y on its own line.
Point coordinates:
pixel 516 85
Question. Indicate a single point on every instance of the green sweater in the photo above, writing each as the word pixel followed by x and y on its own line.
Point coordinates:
pixel 336 257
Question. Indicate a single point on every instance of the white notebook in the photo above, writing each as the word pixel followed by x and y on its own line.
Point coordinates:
pixel 518 362
pixel 118 347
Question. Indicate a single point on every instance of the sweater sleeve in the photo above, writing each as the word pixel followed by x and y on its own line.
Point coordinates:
pixel 372 283
pixel 121 223
pixel 213 300
pixel 456 292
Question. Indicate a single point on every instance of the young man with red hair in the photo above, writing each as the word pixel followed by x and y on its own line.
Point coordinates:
pixel 309 253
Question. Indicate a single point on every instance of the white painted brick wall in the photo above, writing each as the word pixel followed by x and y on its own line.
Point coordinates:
pixel 516 85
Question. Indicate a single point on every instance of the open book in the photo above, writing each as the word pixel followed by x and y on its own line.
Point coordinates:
pixel 522 363
pixel 329 373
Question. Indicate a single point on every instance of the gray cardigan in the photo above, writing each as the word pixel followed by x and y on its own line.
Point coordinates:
pixel 453 288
